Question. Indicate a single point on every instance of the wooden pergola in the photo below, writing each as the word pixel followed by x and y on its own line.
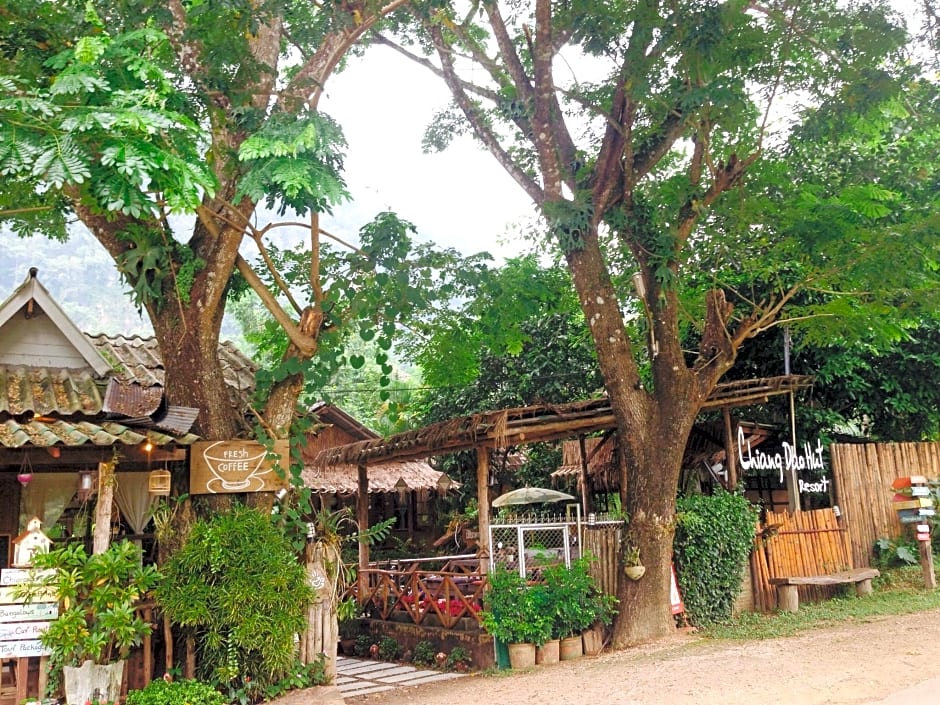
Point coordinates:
pixel 489 430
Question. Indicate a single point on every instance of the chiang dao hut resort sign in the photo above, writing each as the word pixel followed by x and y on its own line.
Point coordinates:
pixel 790 461
pixel 219 467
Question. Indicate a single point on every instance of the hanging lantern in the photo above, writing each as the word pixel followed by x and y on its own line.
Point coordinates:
pixel 158 482
pixel 86 485
pixel 444 483
pixel 402 488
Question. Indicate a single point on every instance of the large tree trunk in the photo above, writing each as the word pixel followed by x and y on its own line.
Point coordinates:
pixel 653 427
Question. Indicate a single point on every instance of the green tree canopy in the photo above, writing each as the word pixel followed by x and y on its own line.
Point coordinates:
pixel 653 137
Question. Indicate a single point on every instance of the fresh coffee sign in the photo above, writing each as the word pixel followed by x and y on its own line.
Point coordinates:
pixel 220 467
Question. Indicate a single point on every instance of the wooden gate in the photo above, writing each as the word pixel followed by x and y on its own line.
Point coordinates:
pixel 802 543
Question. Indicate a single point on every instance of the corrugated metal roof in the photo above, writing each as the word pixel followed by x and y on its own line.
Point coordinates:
pixel 131 399
pixel 40 391
pixel 44 434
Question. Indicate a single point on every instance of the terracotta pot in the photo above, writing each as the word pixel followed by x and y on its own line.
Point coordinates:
pixel 571 648
pixel 635 572
pixel 521 655
pixel 593 640
pixel 549 652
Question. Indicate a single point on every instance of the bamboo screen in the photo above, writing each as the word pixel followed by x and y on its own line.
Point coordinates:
pixel 863 474
pixel 803 543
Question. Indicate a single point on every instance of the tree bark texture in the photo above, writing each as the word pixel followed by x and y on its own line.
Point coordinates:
pixel 323 562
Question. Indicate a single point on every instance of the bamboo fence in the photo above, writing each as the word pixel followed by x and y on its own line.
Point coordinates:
pixel 803 543
pixel 862 476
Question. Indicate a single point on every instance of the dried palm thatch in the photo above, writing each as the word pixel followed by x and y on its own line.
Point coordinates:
pixel 343 479
pixel 529 424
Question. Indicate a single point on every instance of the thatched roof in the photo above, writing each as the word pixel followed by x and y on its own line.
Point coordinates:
pixel 336 428
pixel 344 479
pixel 600 452
pixel 529 424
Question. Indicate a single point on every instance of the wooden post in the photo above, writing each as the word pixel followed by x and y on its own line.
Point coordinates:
pixel 43 676
pixel 22 679
pixel 793 489
pixel 148 647
pixel 483 502
pixel 168 642
pixel 731 458
pixel 586 498
pixel 362 518
pixel 926 562
pixel 104 507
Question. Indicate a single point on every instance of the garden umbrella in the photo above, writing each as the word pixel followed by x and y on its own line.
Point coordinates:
pixel 530 495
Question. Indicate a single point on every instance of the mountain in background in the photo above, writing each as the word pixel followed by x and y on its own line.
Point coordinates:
pixel 83 280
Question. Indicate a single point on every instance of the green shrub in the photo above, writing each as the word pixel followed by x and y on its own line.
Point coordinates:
pixel 894 553
pixel 389 649
pixel 363 644
pixel 513 612
pixel 424 654
pixel 571 598
pixel 236 585
pixel 181 692
pixel 458 659
pixel 714 536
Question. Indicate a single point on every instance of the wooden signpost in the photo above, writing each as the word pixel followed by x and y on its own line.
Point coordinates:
pixel 914 505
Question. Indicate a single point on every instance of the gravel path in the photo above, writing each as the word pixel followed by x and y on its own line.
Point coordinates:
pixel 848 664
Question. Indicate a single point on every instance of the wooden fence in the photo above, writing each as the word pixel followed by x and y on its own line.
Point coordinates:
pixel 863 474
pixel 804 543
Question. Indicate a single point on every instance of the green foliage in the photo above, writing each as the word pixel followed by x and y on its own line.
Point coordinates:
pixel 295 163
pixel 714 536
pixel 363 644
pixel 571 597
pixel 106 122
pixel 97 595
pixel 512 610
pixel 389 649
pixel 892 553
pixel 238 587
pixel 458 659
pixel 369 293
pixel 177 692
pixel 424 654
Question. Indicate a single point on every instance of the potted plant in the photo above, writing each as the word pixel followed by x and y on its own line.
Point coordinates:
pixel 347 614
pixel 511 614
pixel 576 605
pixel 97 623
pixel 632 567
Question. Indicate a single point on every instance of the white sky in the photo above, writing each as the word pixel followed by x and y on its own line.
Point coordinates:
pixel 460 198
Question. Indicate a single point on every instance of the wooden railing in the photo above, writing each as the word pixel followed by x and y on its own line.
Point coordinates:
pixel 448 595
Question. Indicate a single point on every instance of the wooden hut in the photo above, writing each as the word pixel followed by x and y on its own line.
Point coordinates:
pixel 405 489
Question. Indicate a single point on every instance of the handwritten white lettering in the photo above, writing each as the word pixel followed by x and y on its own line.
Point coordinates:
pixel 809 458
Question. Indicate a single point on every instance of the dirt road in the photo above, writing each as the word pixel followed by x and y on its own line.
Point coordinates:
pixel 848 664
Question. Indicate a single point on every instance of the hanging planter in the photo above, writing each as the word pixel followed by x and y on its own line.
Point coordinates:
pixel 635 572
pixel 632 568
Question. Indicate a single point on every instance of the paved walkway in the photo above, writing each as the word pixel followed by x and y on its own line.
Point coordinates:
pixel 356 677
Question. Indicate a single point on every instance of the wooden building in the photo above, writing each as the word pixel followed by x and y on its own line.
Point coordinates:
pixel 72 403
pixel 404 489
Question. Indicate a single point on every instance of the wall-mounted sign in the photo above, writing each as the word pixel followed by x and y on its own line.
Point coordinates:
pixel 219 467
pixel 21 622
pixel 794 458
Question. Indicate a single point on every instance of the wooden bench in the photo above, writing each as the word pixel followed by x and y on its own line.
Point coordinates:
pixel 788 598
